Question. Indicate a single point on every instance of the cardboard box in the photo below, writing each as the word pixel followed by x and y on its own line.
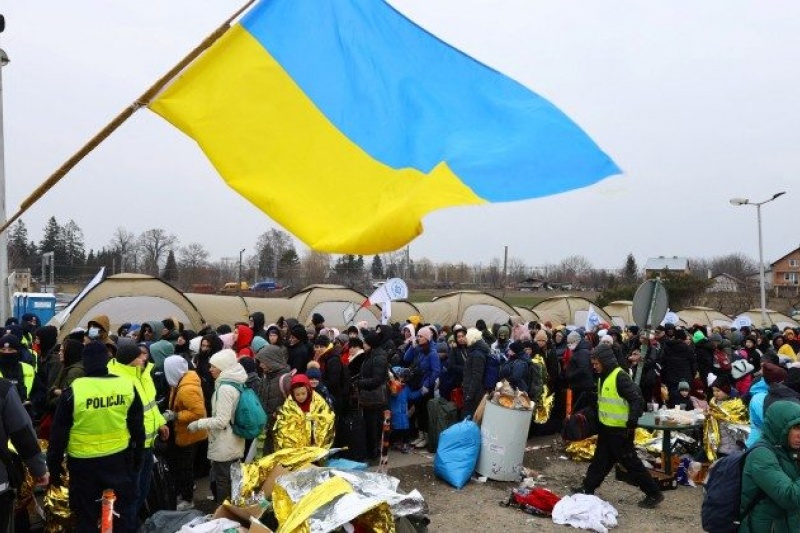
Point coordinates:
pixel 247 516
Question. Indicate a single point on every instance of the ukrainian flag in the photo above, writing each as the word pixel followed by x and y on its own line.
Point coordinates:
pixel 305 105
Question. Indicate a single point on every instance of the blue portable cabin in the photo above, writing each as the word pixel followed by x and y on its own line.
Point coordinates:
pixel 41 304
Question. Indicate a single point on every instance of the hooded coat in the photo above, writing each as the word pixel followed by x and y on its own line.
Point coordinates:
pixel 579 369
pixel 678 363
pixel 477 354
pixel 774 473
pixel 270 394
pixel 243 339
pixel 258 324
pixel 223 444
pixel 186 401
pixel 756 410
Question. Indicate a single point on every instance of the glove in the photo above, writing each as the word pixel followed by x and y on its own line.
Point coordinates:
pixel 169 416
pixel 193 426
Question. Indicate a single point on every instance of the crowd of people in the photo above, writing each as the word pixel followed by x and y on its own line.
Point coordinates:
pixel 110 403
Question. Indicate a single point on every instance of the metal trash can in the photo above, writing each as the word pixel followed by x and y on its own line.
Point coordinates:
pixel 504 434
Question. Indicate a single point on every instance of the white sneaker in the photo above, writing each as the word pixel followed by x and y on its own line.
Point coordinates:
pixel 184 505
pixel 422 442
pixel 415 441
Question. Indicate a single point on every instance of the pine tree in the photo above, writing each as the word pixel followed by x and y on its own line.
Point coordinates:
pixel 376 269
pixel 18 251
pixel 170 272
pixel 74 251
pixel 630 272
pixel 288 265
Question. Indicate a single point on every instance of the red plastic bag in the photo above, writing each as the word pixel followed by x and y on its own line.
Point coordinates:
pixel 540 499
pixel 457 397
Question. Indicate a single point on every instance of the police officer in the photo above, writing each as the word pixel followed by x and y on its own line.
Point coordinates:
pixel 99 422
pixel 619 406
pixel 131 361
pixel 16 427
pixel 13 369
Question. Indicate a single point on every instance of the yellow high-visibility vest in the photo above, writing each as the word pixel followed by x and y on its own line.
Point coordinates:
pixel 613 409
pixel 143 381
pixel 27 375
pixel 100 417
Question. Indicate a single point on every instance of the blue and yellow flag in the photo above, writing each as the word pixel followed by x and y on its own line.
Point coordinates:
pixel 306 104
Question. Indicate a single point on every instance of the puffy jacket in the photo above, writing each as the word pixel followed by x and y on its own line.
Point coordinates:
pixel 773 474
pixel 65 378
pixel 398 403
pixel 298 356
pixel 270 394
pixel 374 370
pixel 473 370
pixel 186 400
pixel 516 372
pixel 143 380
pixel 223 444
pixel 579 369
pixel 677 363
pixel 428 362
pixel 758 393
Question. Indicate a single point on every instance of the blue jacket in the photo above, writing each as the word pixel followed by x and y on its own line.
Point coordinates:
pixel 428 362
pixel 759 391
pixel 516 372
pixel 398 403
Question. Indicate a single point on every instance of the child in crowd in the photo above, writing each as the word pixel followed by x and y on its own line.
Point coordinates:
pixel 314 375
pixel 742 374
pixel 681 397
pixel 304 419
pixel 401 396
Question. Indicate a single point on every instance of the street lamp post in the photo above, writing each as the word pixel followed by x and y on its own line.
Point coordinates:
pixel 745 201
pixel 5 303
pixel 240 270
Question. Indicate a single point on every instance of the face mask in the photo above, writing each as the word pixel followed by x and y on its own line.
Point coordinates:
pixel 93 333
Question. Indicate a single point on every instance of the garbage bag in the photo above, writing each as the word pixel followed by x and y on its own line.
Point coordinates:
pixel 457 453
pixel 169 521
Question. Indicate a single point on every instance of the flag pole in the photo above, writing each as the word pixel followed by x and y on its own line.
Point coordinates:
pixel 125 114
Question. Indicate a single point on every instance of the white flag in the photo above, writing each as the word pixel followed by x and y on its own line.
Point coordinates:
pixel 592 319
pixel 393 289
pixel 670 318
pixel 386 312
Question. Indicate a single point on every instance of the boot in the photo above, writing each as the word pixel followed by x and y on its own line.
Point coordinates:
pixel 423 441
pixel 651 501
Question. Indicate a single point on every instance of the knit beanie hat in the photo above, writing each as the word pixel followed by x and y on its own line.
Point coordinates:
pixel 72 351
pixel 127 352
pixel 605 354
pixel 317 319
pixel 223 359
pixel 373 340
pixel 257 343
pixel 722 384
pixel 683 385
pixel 680 334
pixel 516 347
pixel 426 333
pixel 298 332
pixel 95 359
pixel 773 373
pixel 313 370
pixel 698 336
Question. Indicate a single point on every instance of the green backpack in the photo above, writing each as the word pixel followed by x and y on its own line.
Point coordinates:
pixel 250 419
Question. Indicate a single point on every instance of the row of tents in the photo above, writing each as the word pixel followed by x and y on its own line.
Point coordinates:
pixel 138 298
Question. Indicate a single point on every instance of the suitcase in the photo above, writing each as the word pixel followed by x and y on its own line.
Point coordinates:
pixel 354 436
pixel 441 415
pixel 162 495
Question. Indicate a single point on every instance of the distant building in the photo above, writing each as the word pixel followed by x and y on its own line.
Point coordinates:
pixel 786 272
pixel 657 265
pixel 531 284
pixel 725 283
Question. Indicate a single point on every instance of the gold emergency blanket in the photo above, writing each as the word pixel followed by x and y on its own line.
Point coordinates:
pixel 732 412
pixel 326 499
pixel 544 406
pixel 296 429
pixel 583 450
pixel 255 474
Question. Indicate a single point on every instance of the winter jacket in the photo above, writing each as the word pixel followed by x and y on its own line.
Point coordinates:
pixel 374 370
pixel 628 391
pixel 473 371
pixel 758 393
pixel 298 356
pixel 425 361
pixel 704 355
pixel 253 382
pixel 186 401
pixel 223 444
pixel 677 363
pixel 772 473
pixel 65 378
pixel 516 372
pixel 159 351
pixel 579 369
pixel 15 425
pixel 398 403
pixel 296 429
pixel 336 377
pixel 270 394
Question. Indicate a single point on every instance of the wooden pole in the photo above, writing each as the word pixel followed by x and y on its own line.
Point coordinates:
pixel 125 114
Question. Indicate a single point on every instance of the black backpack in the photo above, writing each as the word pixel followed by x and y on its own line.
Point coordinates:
pixel 722 493
pixel 580 425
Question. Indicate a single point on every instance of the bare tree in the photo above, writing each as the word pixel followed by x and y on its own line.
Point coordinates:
pixel 270 247
pixel 517 270
pixel 155 243
pixel 125 245
pixel 315 267
pixel 193 265
pixel 574 268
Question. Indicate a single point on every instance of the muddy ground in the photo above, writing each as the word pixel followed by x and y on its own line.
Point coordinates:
pixel 476 507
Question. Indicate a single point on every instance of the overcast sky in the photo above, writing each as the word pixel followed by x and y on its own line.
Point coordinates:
pixel 697 102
